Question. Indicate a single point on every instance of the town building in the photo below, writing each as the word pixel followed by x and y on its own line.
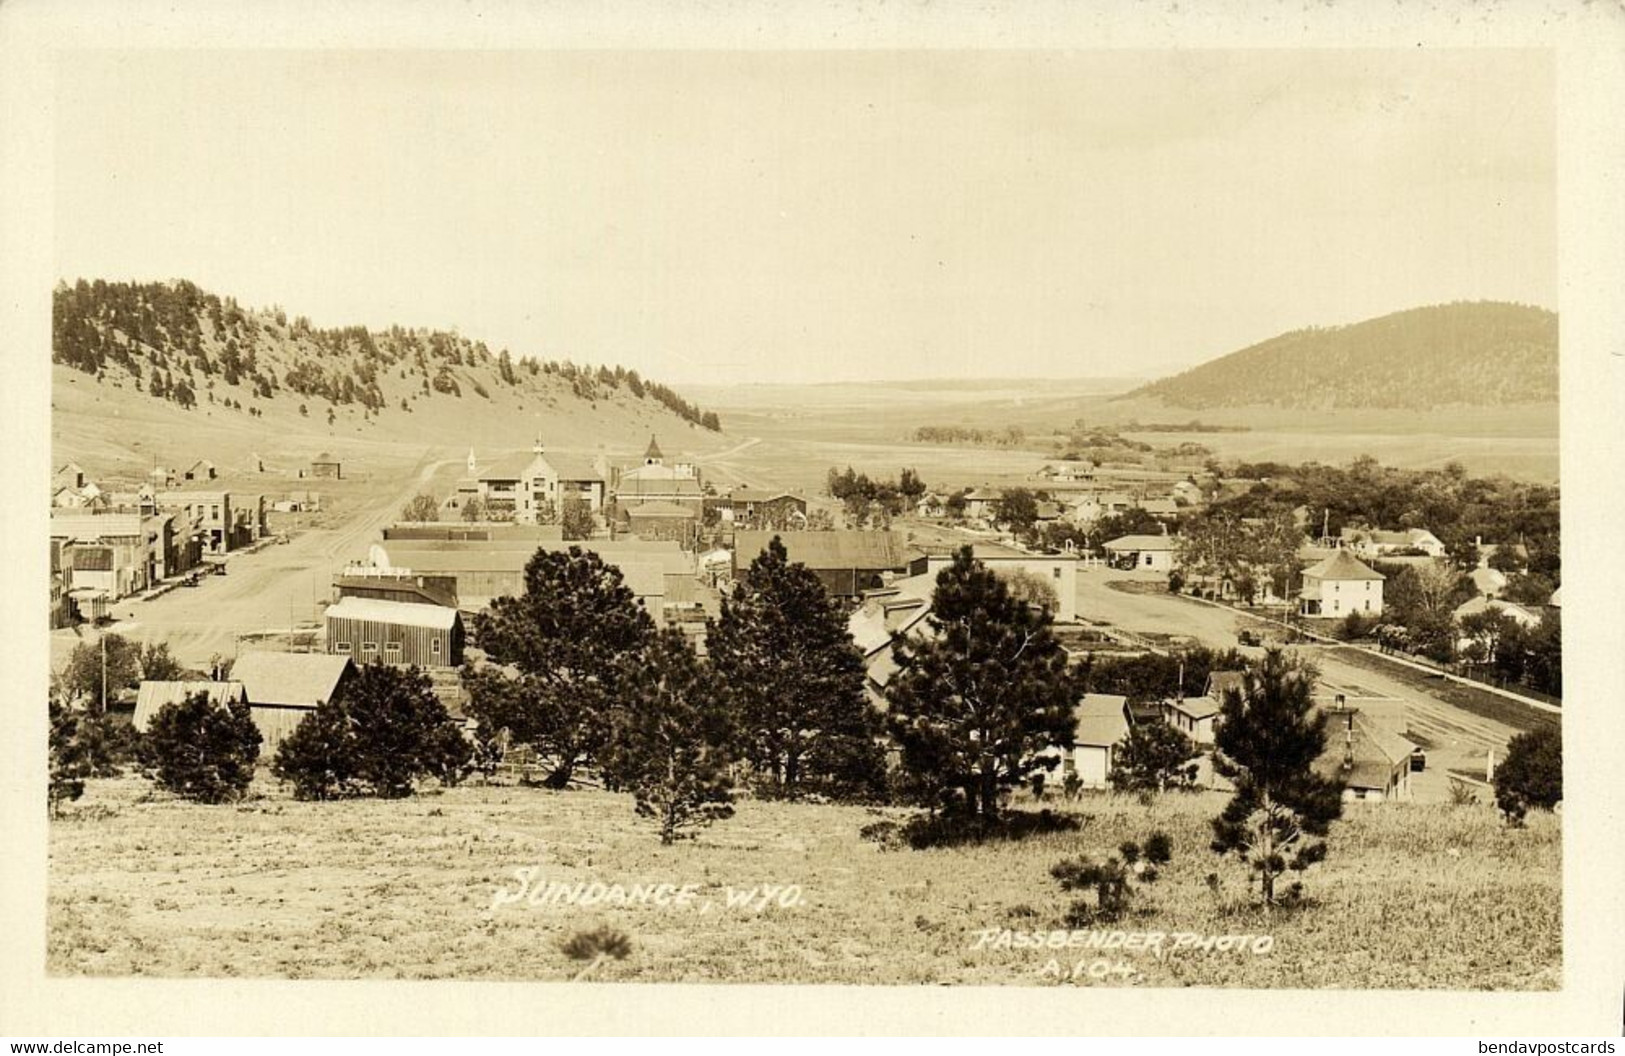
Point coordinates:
pixel 1058 571
pixel 760 508
pixel 395 632
pixel 846 562
pixel 663 520
pixel 533 487
pixel 1372 763
pixel 151 696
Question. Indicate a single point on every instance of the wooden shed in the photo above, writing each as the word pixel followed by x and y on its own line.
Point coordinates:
pixel 395 632
pixel 154 695
pixel 325 465
pixel 282 688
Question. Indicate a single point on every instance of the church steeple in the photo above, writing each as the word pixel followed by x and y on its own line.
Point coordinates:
pixel 473 466
pixel 653 457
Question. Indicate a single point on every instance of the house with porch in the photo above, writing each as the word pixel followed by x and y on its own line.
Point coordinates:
pixel 1339 585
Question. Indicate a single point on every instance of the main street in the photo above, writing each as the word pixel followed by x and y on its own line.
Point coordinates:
pixel 280 586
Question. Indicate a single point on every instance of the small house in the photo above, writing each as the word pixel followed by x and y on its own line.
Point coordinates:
pixel 202 469
pixel 325 465
pixel 1144 553
pixel 1373 764
pixel 1101 724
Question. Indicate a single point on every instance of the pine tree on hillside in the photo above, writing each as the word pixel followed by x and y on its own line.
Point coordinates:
pixel 670 741
pixel 1267 739
pixel 782 648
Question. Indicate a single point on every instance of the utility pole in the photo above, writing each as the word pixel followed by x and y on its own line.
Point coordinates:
pixel 102 640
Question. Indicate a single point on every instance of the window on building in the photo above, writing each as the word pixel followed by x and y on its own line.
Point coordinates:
pixel 341 647
pixel 1056 571
pixel 392 649
pixel 368 648
pixel 434 647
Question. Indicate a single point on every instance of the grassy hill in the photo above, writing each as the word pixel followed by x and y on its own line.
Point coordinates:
pixel 168 373
pixel 1411 896
pixel 1482 354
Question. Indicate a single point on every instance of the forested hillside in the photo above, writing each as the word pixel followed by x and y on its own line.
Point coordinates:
pixel 179 343
pixel 1483 354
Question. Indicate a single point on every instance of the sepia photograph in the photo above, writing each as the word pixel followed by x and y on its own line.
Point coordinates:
pixel 1042 518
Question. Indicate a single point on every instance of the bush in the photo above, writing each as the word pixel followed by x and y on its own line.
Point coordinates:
pixel 385 731
pixel 201 750
pixel 1532 775
pixel 1176 582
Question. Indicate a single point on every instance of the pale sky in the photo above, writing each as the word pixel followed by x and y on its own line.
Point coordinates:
pixel 817 216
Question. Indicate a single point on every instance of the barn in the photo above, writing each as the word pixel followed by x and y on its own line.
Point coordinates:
pixel 396 632
pixel 282 688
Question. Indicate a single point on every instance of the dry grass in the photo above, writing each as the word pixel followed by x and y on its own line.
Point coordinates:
pixel 1412 896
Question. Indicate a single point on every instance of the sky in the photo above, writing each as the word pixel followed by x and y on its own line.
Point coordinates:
pixel 743 216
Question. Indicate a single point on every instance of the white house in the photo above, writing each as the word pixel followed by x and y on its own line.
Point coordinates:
pixel 1144 553
pixel 1373 542
pixel 1339 585
pixel 1101 724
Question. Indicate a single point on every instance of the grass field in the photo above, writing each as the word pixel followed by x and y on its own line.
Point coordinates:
pixel 1411 896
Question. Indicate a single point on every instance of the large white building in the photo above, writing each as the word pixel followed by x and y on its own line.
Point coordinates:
pixel 1339 585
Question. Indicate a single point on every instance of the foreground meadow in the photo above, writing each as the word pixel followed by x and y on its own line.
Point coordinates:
pixel 1411 897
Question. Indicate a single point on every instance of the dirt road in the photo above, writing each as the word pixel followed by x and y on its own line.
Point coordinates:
pixel 1453 738
pixel 280 586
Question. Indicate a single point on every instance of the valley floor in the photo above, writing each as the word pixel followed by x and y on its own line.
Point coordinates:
pixel 1412 896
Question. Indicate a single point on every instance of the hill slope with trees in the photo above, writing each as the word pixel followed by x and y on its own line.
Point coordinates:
pixel 1479 354
pixel 176 342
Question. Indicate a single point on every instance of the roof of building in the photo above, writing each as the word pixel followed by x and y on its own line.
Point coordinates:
pixel 863 550
pixel 405 613
pixel 575 468
pixel 458 560
pixel 508 467
pixel 92 559
pixel 1487 580
pixel 653 450
pixel 1342 567
pixel 325 457
pixel 154 695
pixel 1101 720
pixel 662 510
pixel 1196 708
pixel 1156 506
pixel 1376 752
pixel 1480 604
pixel 290 679
pixel 1140 543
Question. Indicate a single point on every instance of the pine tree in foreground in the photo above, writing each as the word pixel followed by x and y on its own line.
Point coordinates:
pixel 1266 742
pixel 1532 775
pixel 978 699
pixel 671 740
pixel 202 750
pixel 381 735
pixel 783 651
pixel 564 640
